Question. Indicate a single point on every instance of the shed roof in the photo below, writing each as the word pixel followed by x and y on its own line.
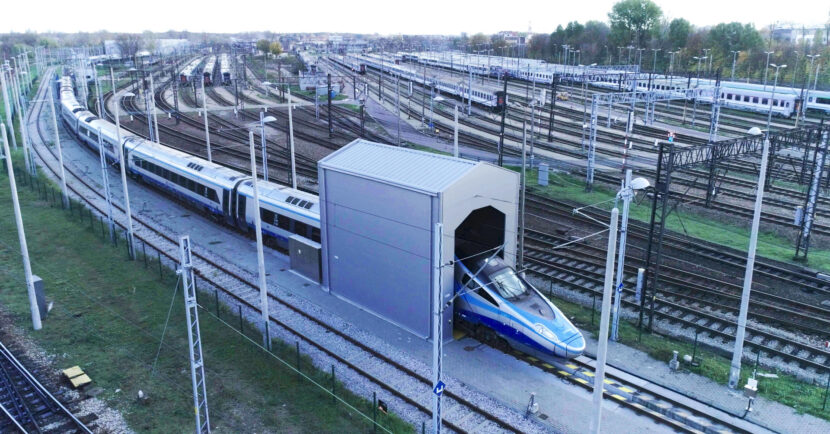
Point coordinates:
pixel 418 170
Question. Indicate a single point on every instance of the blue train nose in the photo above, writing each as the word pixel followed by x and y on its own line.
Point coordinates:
pixel 575 346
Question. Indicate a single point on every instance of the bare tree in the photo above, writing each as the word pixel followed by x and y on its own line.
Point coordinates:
pixel 129 44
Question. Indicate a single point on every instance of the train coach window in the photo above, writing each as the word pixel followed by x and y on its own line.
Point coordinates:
pixel 746 99
pixel 820 100
pixel 755 99
pixel 283 222
pixel 300 228
pixel 267 216
pixel 315 235
pixel 765 101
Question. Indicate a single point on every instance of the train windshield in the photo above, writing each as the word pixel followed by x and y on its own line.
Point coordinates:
pixel 508 284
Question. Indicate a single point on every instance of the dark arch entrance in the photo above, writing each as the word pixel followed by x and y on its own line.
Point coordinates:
pixel 481 231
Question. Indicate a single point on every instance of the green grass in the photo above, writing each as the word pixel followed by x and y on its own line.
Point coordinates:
pixel 427 149
pixel 109 317
pixel 771 246
pixel 786 389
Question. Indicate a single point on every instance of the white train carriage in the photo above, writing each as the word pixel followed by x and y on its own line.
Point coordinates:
pixel 225 68
pixel 202 184
pixel 88 132
pixel 747 98
pixel 207 72
pixel 818 100
pixel 284 212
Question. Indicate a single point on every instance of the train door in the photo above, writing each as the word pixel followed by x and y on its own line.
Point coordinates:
pixel 226 206
pixel 240 212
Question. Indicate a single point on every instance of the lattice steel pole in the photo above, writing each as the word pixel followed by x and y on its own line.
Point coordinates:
pixel 194 337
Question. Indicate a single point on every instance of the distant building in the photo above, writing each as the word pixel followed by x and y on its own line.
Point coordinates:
pixel 798 34
pixel 513 38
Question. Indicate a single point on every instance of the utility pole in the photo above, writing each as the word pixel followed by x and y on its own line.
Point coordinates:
pixel 24 135
pixel 331 127
pixel 734 61
pixel 205 114
pixel 737 355
pixel 521 255
pixel 263 285
pixel 64 195
pixel 21 234
pixel 264 145
pixel 398 105
pixel 291 140
pixel 553 84
pixel 803 242
pixel 9 109
pixel 106 181
pixel 501 131
pixel 437 327
pixel 455 133
pixel 602 349
pixel 194 337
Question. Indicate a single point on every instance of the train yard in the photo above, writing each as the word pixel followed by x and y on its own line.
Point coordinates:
pixel 695 296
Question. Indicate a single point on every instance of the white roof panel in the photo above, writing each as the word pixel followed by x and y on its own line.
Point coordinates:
pixel 417 170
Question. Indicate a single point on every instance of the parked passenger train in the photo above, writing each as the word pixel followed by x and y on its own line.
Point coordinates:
pixel 215 190
pixel 734 94
pixel 461 89
pixel 207 72
pixel 227 196
pixel 190 71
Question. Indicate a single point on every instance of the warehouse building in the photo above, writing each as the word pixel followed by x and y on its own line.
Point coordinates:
pixel 379 208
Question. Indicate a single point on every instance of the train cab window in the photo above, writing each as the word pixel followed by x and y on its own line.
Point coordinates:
pixel 315 235
pixel 486 296
pixel 212 195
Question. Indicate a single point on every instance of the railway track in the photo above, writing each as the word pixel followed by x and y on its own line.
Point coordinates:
pixel 241 287
pixel 725 188
pixel 691 300
pixel 28 406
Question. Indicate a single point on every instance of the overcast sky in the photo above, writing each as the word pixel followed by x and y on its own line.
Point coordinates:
pixel 375 16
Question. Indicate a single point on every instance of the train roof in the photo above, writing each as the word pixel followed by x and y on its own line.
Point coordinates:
pixel 298 202
pixel 188 70
pixel 184 162
pixel 210 64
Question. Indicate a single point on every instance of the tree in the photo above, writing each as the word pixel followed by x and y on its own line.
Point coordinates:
pixel 734 36
pixel 633 20
pixel 129 44
pixel 275 48
pixel 679 30
pixel 479 39
pixel 499 43
pixel 263 45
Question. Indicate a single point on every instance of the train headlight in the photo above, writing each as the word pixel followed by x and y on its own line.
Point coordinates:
pixel 544 331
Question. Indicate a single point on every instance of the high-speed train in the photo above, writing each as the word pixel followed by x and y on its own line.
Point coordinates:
pixel 517 311
pixel 220 192
pixel 493 295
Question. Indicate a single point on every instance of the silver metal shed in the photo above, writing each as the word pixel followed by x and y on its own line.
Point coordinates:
pixel 379 207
